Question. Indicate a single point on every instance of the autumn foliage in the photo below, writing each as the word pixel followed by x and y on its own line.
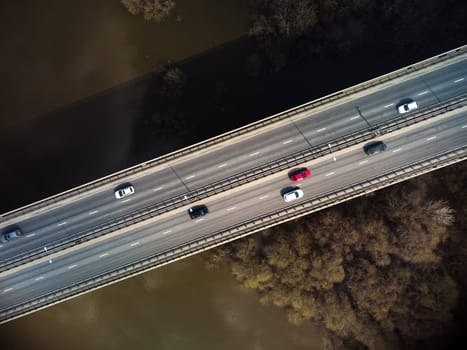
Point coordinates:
pixel 369 271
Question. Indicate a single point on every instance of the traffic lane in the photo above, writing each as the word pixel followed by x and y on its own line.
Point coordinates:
pixel 240 156
pixel 311 128
pixel 401 151
pixel 448 81
pixel 331 124
pixel 384 106
pixel 243 206
pixel 91 212
pixel 426 90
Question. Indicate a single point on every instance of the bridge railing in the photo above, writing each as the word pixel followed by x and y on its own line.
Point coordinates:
pixel 235 180
pixel 449 55
pixel 240 230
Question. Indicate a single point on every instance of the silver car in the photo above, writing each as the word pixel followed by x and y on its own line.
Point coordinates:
pixel 6 236
pixel 293 194
pixel 124 192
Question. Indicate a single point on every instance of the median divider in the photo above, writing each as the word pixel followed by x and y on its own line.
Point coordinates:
pixel 281 164
pixel 451 56
pixel 240 230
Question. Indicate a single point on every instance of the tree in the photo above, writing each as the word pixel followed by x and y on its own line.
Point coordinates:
pixel 157 10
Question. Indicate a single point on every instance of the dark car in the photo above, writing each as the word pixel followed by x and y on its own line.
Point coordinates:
pixel 8 235
pixel 374 147
pixel 300 174
pixel 197 211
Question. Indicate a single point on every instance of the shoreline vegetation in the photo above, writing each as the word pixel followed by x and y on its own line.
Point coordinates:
pixel 383 271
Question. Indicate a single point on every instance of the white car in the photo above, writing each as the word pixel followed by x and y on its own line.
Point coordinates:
pixel 124 192
pixel 293 194
pixel 407 107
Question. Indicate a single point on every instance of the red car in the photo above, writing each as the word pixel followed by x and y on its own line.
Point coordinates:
pixel 299 174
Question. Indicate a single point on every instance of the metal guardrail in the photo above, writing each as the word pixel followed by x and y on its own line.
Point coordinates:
pixel 240 230
pixel 235 133
pixel 236 180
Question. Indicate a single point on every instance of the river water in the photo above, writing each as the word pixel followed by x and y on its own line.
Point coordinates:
pixel 57 52
pixel 178 307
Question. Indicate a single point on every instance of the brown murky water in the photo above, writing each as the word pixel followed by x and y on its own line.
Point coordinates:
pixel 55 52
pixel 178 307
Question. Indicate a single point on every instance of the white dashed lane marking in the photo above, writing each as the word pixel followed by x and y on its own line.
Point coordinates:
pixel 199 220
pixel 355 117
pixel 286 142
pixel 31 235
pixel 264 197
pixel 93 212
pixel 431 138
pixel 190 177
pixel 157 189
pixel 389 105
pixel 231 208
pixel 254 154
pixel 329 174
pixel 396 150
pixel 62 223
pixel 165 232
pixel 7 290
pixel 322 129
pixel 222 165
pixel 103 255
pixel 72 266
pixel 458 80
pixel 422 93
pixel 39 278
pixel 464 126
pixel 134 243
pixel 363 162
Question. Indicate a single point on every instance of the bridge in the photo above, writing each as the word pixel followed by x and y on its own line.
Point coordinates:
pixel 85 238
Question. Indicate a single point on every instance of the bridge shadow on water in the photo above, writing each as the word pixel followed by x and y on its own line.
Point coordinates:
pixel 221 89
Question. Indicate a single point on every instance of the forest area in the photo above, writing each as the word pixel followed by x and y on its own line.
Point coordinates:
pixel 387 270
pixel 384 271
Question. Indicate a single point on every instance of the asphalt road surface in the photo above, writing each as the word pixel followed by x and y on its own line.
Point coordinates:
pixel 254 199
